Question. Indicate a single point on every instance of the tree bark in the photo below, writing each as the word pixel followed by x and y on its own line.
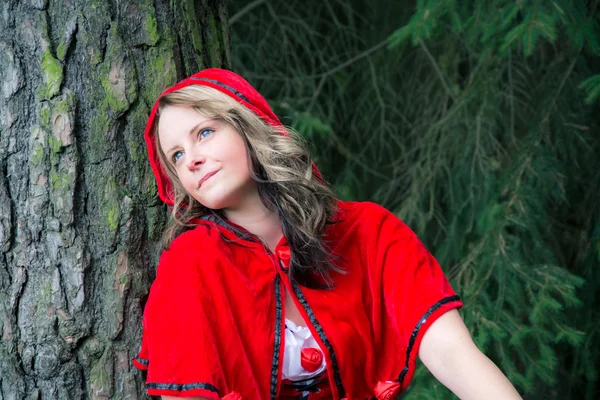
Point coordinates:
pixel 80 219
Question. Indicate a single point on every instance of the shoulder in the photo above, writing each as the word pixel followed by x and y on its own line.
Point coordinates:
pixel 179 276
pixel 187 252
pixel 368 224
pixel 193 240
pixel 367 215
pixel 353 210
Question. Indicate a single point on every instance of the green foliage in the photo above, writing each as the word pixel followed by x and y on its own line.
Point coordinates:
pixel 592 86
pixel 503 24
pixel 476 123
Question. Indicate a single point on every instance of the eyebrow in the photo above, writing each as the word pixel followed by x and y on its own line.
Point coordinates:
pixel 194 128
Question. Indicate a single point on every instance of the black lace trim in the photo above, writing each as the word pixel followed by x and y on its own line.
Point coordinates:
pixel 277 341
pixel 182 387
pixel 319 329
pixel 224 224
pixel 415 333
pixel 142 361
pixel 227 87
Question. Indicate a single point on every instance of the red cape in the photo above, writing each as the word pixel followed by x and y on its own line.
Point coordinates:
pixel 215 318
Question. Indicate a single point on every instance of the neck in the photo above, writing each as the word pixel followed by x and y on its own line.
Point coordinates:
pixel 258 220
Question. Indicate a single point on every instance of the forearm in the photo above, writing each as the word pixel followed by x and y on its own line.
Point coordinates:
pixel 448 351
pixel 471 375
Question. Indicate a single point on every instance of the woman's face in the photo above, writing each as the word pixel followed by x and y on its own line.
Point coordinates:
pixel 209 157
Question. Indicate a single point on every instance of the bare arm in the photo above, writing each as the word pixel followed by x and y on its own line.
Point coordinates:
pixel 448 351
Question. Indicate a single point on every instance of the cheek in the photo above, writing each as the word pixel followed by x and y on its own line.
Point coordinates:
pixel 242 163
pixel 189 185
pixel 187 180
pixel 238 159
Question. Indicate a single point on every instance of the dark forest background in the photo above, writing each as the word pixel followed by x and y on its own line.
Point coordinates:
pixel 476 122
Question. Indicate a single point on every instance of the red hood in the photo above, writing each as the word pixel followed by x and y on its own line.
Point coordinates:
pixel 226 82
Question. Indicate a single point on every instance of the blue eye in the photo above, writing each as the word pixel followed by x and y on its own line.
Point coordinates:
pixel 176 156
pixel 205 132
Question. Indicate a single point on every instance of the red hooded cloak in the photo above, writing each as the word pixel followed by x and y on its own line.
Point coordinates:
pixel 215 317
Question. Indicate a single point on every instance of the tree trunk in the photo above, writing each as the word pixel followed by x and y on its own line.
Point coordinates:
pixel 80 219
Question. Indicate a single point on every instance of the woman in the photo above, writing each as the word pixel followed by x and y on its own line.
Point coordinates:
pixel 269 287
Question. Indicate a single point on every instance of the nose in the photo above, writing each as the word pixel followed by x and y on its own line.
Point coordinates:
pixel 195 160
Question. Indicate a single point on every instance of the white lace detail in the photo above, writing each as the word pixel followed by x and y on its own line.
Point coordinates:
pixel 296 339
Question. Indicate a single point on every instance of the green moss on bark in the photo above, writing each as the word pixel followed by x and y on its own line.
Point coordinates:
pixel 191 22
pixel 45 113
pixel 160 72
pixel 61 51
pixel 111 208
pixel 55 144
pixel 118 77
pixel 151 27
pixel 101 375
pixel 60 180
pixel 37 154
pixel 214 44
pixel 113 216
pixel 52 76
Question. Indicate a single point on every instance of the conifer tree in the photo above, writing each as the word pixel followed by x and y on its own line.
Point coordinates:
pixel 477 124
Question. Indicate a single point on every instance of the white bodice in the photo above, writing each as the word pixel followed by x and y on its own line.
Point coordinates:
pixel 296 339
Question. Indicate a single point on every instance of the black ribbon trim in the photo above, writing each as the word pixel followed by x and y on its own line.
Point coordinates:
pixel 319 329
pixel 142 361
pixel 415 333
pixel 224 86
pixel 182 387
pixel 277 341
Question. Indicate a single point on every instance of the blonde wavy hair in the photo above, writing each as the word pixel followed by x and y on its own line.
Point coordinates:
pixel 282 169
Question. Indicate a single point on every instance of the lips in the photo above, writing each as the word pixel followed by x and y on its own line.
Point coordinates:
pixel 205 177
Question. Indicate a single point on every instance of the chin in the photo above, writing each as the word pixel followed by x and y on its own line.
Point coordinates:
pixel 219 198
pixel 213 204
pixel 216 202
